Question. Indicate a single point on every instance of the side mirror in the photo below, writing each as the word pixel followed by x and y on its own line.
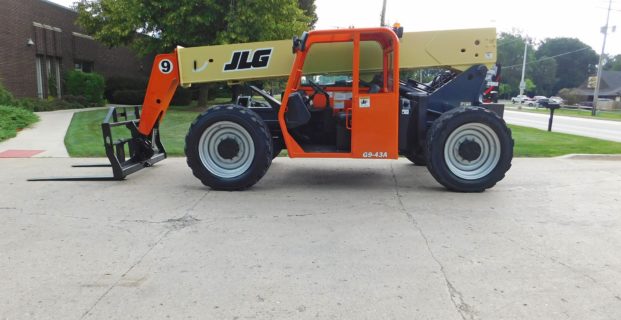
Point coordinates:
pixel 296 44
pixel 398 29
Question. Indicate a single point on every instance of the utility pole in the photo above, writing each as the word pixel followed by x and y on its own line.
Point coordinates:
pixel 601 59
pixel 522 83
pixel 383 22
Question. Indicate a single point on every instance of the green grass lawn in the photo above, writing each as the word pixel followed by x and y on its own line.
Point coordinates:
pixel 601 115
pixel 531 142
pixel 84 138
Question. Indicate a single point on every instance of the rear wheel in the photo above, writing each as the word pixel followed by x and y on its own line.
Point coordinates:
pixel 469 149
pixel 228 148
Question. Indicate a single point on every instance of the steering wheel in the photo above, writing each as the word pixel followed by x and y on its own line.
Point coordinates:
pixel 317 89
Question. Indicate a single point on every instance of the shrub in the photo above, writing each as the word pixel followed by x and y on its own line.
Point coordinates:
pixel 12 119
pixel 133 97
pixel 6 98
pixel 77 101
pixel 62 104
pixel 569 96
pixel 89 85
pixel 114 84
pixel 30 104
pixel 182 97
pixel 38 105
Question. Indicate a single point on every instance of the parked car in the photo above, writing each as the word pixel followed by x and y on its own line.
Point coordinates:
pixel 548 103
pixel 532 102
pixel 559 100
pixel 520 99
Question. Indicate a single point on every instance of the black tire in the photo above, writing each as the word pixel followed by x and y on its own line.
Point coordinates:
pixel 277 145
pixel 477 137
pixel 241 134
pixel 417 158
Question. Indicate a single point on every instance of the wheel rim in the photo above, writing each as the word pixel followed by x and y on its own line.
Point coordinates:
pixel 472 151
pixel 226 149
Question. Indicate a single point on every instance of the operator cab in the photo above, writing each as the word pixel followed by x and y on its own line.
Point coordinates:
pixel 351 105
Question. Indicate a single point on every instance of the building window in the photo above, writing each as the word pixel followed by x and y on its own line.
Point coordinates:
pixel 48 76
pixel 84 66
pixel 53 77
pixel 39 64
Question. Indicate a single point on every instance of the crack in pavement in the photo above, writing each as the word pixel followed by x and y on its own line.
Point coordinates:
pixel 465 310
pixel 176 224
pixel 153 245
pixel 307 214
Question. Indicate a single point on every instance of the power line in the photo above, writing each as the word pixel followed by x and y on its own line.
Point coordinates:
pixel 548 58
pixel 617 10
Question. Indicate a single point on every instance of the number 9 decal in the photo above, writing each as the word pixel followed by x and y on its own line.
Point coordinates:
pixel 166 66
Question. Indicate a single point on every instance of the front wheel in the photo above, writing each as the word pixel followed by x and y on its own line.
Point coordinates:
pixel 278 144
pixel 228 148
pixel 469 149
pixel 417 158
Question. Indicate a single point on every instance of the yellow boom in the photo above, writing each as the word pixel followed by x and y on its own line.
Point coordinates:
pixel 456 49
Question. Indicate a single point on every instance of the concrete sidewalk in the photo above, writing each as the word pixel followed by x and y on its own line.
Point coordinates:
pixel 44 139
pixel 314 239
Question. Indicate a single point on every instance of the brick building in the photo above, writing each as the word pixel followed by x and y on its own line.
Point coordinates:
pixel 39 43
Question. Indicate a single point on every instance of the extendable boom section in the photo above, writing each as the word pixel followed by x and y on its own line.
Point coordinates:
pixel 455 49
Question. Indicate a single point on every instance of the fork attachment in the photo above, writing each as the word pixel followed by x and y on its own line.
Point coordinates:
pixel 128 155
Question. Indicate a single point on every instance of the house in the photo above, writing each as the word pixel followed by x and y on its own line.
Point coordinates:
pixel 609 90
pixel 40 43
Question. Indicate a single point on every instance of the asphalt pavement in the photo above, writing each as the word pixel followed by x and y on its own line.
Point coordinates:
pixel 314 239
pixel 595 128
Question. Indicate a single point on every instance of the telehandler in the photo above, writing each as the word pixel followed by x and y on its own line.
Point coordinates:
pixel 344 98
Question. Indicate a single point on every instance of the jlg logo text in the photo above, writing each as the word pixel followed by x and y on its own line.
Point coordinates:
pixel 246 59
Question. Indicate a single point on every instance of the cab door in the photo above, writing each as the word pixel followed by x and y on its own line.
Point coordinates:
pixel 375 100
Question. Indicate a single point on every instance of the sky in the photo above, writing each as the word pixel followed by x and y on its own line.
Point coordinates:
pixel 538 19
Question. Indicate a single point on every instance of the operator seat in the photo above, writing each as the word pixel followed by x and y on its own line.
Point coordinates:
pixel 298 113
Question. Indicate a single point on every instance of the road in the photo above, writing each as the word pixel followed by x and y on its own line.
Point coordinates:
pixel 601 129
pixel 314 239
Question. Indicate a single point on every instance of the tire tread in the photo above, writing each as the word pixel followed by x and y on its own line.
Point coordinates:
pixel 247 114
pixel 437 128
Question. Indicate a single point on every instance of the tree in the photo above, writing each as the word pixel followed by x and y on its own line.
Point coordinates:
pixel 160 25
pixel 530 86
pixel 252 20
pixel 504 91
pixel 613 63
pixel 309 8
pixel 543 73
pixel 572 58
pixel 510 57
